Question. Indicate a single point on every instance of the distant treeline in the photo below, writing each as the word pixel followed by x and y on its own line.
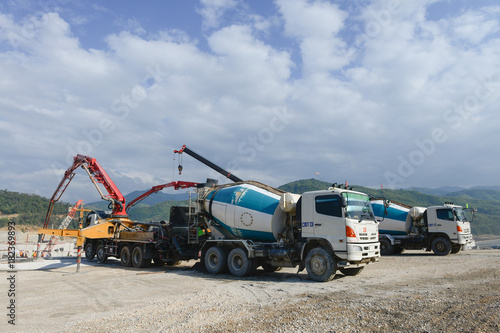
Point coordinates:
pixel 31 208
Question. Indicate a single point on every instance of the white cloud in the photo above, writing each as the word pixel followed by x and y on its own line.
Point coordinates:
pixel 130 24
pixel 311 19
pixel 213 10
pixel 474 26
pixel 316 25
pixel 359 104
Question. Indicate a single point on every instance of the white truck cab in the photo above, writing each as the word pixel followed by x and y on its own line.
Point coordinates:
pixel 450 220
pixel 442 229
pixel 344 218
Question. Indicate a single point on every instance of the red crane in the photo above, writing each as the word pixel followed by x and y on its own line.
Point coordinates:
pixel 97 175
pixel 176 185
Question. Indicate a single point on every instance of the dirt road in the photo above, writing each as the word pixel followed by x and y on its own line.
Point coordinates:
pixel 412 292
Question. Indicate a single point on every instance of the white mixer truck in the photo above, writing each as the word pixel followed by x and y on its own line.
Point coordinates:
pixel 442 229
pixel 321 231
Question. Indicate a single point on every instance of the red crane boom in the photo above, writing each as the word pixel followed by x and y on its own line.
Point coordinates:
pixel 177 185
pixel 97 175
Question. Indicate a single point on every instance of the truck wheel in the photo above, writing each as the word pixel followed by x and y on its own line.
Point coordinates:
pixel 125 256
pixel 238 262
pixel 215 260
pixel 89 251
pixel 386 248
pixel 101 253
pixel 455 248
pixel 441 246
pixel 138 259
pixel 351 271
pixel 320 265
pixel 270 268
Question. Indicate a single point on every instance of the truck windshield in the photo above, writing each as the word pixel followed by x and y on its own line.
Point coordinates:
pixel 358 206
pixel 460 214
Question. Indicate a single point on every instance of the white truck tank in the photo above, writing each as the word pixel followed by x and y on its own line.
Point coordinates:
pixel 395 222
pixel 248 210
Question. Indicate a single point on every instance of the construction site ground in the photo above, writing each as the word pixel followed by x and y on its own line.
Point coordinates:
pixel 416 291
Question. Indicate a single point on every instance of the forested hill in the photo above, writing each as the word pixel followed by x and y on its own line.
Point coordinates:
pixel 29 209
pixel 26 209
pixel 487 200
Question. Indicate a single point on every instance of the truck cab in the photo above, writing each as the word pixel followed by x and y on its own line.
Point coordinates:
pixel 343 221
pixel 443 229
pixel 450 222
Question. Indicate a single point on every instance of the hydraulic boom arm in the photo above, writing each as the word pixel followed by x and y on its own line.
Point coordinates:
pixel 97 175
pixel 203 160
pixel 177 185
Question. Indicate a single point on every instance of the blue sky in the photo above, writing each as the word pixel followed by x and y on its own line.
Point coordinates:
pixel 386 92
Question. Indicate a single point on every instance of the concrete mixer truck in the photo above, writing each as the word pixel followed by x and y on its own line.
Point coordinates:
pixel 258 225
pixel 442 229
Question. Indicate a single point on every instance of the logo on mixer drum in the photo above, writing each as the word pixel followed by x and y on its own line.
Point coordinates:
pixel 246 219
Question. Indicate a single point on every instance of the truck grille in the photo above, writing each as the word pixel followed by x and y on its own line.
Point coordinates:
pixel 364 236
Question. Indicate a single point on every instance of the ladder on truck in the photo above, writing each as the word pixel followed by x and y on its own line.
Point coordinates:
pixel 64 224
pixel 192 222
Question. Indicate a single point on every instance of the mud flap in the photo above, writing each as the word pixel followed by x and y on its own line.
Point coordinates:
pixel 301 266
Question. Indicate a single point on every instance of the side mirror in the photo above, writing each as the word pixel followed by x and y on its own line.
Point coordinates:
pixel 343 202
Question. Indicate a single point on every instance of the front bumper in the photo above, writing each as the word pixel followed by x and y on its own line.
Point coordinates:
pixel 465 239
pixel 363 252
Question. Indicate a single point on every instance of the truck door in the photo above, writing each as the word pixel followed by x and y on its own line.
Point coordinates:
pixel 444 222
pixel 328 219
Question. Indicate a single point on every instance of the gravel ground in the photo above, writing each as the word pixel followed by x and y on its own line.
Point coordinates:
pixel 412 292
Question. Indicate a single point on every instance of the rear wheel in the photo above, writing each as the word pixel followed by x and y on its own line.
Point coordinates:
pixel 125 256
pixel 238 262
pixel 320 265
pixel 441 246
pixel 101 253
pixel 215 260
pixel 89 251
pixel 386 248
pixel 138 259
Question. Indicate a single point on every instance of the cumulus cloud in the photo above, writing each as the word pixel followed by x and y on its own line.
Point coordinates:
pixel 316 25
pixel 213 10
